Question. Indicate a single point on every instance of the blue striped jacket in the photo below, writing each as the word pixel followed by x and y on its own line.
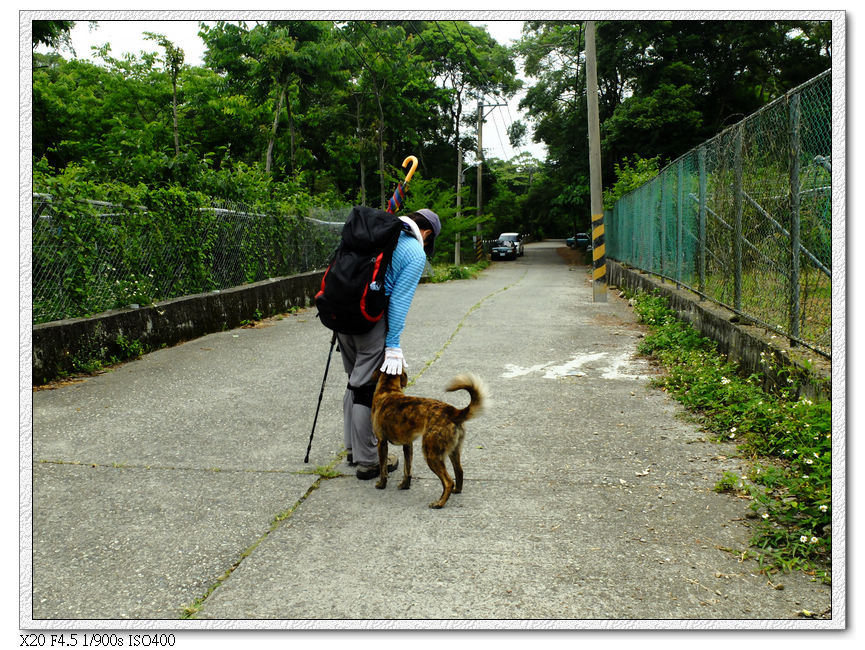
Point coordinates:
pixel 400 283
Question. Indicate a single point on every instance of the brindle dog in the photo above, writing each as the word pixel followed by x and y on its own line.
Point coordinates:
pixel 399 419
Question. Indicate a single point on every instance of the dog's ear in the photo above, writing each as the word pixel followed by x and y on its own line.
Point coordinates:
pixel 375 376
pixel 403 379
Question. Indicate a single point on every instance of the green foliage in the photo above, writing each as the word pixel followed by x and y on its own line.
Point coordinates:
pixel 665 86
pixel 729 482
pixel 448 272
pixel 787 436
pixel 315 111
pixel 629 176
pixel 130 349
pixel 158 242
pixel 53 33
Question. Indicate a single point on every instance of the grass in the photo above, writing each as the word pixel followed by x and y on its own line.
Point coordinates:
pixel 787 438
pixel 448 272
pixel 766 296
pixel 94 358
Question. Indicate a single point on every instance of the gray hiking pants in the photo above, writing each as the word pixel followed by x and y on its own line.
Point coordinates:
pixel 362 355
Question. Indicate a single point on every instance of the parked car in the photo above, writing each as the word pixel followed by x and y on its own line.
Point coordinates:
pixel 514 237
pixel 503 250
pixel 580 240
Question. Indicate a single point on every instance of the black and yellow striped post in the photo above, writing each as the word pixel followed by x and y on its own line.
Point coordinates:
pixel 599 260
pixel 479 249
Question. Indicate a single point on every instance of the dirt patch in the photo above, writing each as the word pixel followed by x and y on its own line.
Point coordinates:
pixel 572 256
pixel 605 318
pixel 58 383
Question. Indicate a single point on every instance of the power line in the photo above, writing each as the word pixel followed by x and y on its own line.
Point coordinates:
pixel 377 49
pixel 499 134
pixel 497 96
pixel 359 56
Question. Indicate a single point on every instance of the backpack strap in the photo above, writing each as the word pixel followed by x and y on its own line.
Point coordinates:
pixel 413 227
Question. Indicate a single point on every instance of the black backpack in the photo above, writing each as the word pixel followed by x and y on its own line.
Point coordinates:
pixel 351 299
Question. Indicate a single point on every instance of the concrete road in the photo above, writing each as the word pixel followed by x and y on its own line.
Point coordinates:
pixel 175 485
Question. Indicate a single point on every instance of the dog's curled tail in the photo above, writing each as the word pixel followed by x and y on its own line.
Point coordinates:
pixel 476 389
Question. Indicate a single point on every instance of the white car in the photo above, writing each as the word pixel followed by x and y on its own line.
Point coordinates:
pixel 517 240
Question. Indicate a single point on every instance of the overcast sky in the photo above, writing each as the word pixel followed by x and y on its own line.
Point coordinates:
pixel 127 36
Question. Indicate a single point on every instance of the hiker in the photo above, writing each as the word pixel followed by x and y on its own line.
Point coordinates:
pixel 380 348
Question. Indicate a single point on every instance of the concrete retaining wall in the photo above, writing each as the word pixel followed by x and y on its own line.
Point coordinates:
pixel 61 345
pixel 753 348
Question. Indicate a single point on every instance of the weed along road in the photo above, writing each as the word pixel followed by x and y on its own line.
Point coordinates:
pixel 174 486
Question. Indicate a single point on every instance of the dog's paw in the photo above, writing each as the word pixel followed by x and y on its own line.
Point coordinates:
pixel 405 484
pixel 436 505
pixel 381 485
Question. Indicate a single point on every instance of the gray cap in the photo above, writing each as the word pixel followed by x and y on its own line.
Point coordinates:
pixel 436 224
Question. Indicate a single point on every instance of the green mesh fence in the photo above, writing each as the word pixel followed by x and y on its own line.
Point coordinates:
pixel 745 219
pixel 93 256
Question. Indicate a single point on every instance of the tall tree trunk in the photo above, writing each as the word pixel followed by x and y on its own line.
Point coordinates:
pixel 459 153
pixel 269 156
pixel 360 156
pixel 459 181
pixel 174 110
pixel 291 135
pixel 381 150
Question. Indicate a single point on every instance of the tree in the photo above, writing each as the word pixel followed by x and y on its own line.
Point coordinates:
pixel 665 86
pixel 470 63
pixel 553 54
pixel 52 33
pixel 394 90
pixel 272 62
pixel 690 79
pixel 174 62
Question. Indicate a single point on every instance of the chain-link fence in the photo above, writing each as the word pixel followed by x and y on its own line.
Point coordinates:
pixel 92 256
pixel 745 218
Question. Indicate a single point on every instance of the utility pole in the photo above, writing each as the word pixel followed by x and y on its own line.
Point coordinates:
pixel 457 243
pixel 478 243
pixel 599 260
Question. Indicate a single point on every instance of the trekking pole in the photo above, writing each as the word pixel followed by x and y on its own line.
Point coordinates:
pixel 320 395
pixel 398 197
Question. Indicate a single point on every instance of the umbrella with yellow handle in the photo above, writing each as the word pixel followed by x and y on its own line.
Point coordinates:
pixel 398 198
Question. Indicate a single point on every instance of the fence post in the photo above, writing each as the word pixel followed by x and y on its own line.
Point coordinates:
pixel 663 223
pixel 648 227
pixel 702 227
pixel 679 251
pixel 636 210
pixel 795 242
pixel 613 231
pixel 737 224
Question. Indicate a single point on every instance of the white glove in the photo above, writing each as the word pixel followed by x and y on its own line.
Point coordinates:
pixel 394 361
